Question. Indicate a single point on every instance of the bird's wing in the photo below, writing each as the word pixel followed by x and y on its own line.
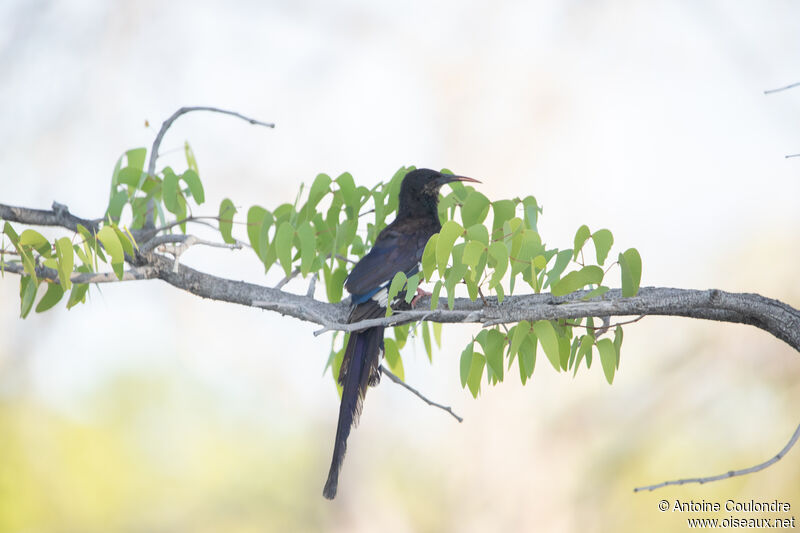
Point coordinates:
pixel 394 252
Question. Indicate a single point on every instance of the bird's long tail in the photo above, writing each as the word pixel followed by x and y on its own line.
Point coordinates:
pixel 359 370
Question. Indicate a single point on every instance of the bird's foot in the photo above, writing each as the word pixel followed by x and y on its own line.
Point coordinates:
pixel 420 294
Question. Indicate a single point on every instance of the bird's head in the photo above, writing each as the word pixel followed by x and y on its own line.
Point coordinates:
pixel 419 192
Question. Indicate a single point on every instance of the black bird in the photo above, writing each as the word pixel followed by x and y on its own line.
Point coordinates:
pixel 398 248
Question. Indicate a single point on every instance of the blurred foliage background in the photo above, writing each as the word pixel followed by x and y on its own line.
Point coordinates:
pixel 149 409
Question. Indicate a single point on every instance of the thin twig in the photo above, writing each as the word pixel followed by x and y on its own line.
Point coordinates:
pixel 186 241
pixel 312 285
pixel 396 318
pixel 402 383
pixel 732 473
pixel 196 219
pixel 792 155
pixel 483 298
pixel 609 326
pixel 151 167
pixel 51 275
pixel 343 258
pixel 287 279
pixel 790 86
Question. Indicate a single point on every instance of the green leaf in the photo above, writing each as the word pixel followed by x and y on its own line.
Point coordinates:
pixel 115 204
pixel 115 175
pixel 195 186
pixel 283 246
pixel 577 280
pixel 132 177
pixel 27 294
pixel 548 338
pixel 136 157
pixel 335 284
pixel 126 241
pixel 573 350
pixel 437 289
pixel 479 233
pixel 378 199
pixel 66 262
pixel 77 295
pixel 170 191
pixel 617 342
pixel 521 331
pixel 12 235
pixel 50 298
pixel 398 282
pixel 466 364
pixel 527 357
pixel 429 257
pixel 498 289
pixel 226 212
pixel 476 373
pixel 472 253
pixel 111 243
pixel 630 263
pixel 584 350
pixel 28 263
pixel 426 340
pixel 444 244
pixel 532 211
pixel 563 351
pixel 503 211
pixel 599 291
pixel 191 162
pixel 454 276
pixel 392 355
pixel 475 209
pixel 320 187
pixel 603 239
pixel 256 233
pixel 181 213
pixel 498 254
pixel 493 347
pixel 411 288
pixel 562 260
pixel 34 239
pixel 346 234
pixel 527 246
pixel 308 247
pixel 581 236
pixel 437 333
pixel 348 190
pixel 401 335
pixel 608 358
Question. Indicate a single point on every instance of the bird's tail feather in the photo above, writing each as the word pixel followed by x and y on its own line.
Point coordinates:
pixel 359 370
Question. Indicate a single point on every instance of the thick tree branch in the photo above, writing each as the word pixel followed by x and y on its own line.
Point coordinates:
pixel 59 215
pixel 773 316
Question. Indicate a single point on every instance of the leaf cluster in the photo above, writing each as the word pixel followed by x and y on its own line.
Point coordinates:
pixel 484 246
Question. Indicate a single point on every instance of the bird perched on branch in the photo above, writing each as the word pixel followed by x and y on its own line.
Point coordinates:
pixel 398 248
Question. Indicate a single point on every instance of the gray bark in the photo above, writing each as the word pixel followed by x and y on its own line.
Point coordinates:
pixel 772 316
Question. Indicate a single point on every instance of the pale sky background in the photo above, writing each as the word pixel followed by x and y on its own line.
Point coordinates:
pixel 647 118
